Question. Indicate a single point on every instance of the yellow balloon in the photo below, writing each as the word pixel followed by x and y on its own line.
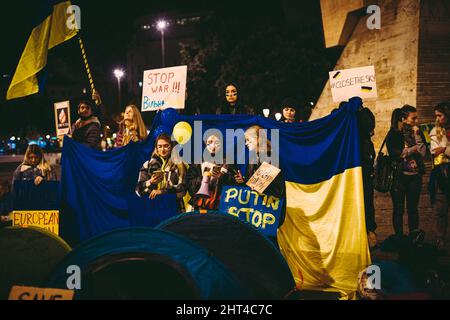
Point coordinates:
pixel 182 132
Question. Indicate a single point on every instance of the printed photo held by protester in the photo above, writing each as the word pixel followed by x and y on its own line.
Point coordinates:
pixel 162 174
pixel 406 146
pixel 440 178
pixel 34 167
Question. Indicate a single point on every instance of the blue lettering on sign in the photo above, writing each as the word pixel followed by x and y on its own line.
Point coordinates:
pixel 149 104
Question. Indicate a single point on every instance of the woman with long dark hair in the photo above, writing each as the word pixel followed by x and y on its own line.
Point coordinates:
pixel 406 146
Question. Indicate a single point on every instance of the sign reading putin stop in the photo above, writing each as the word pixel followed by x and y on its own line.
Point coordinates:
pixel 164 88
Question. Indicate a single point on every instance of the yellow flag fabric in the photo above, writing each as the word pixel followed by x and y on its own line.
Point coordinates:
pixel 323 238
pixel 51 32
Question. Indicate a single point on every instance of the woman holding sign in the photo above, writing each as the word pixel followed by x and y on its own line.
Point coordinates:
pixel 161 175
pixel 34 167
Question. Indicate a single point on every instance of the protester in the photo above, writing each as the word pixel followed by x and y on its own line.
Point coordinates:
pixel 87 129
pixel 6 202
pixel 212 173
pixel 366 127
pixel 161 174
pixel 234 104
pixel 257 141
pixel 130 128
pixel 440 150
pixel 289 107
pixel 34 167
pixel 405 143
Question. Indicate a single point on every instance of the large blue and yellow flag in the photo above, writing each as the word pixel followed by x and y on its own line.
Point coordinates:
pixel 51 29
pixel 323 237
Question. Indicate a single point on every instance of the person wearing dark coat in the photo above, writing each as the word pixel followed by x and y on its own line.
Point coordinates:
pixel 366 127
pixel 406 146
pixel 87 129
pixel 233 103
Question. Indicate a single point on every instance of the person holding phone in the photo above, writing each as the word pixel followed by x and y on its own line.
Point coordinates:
pixel 161 175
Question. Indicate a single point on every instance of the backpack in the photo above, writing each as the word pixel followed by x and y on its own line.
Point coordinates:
pixel 385 171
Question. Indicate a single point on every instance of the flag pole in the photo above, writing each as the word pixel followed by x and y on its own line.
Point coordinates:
pixel 86 64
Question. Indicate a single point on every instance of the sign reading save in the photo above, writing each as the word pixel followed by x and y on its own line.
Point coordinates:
pixel 261 210
pixel 48 220
pixel 356 82
pixel 31 293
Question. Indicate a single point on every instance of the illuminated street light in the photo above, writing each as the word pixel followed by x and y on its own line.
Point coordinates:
pixel 161 25
pixel 118 73
pixel 266 112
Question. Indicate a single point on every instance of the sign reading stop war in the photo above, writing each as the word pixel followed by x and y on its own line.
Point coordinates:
pixel 261 210
pixel 356 82
pixel 48 220
pixel 164 88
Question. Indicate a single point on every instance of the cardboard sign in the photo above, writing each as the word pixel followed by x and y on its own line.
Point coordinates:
pixel 261 210
pixel 48 220
pixel 164 88
pixel 263 177
pixel 31 293
pixel 62 118
pixel 356 82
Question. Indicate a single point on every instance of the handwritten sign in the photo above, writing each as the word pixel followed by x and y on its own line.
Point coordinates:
pixel 261 210
pixel 164 88
pixel 31 293
pixel 263 177
pixel 356 82
pixel 62 118
pixel 48 220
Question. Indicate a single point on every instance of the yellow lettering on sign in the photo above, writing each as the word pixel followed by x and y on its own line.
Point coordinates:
pixel 231 194
pixel 268 219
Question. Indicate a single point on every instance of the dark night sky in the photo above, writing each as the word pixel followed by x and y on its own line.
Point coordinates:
pixel 106 28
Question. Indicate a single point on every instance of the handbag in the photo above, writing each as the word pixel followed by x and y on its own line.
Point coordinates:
pixel 385 171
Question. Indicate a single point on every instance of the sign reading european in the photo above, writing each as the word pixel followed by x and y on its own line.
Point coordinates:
pixel 164 88
pixel 356 82
pixel 45 219
pixel 260 210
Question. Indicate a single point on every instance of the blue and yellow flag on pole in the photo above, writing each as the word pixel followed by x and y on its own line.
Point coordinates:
pixel 324 236
pixel 51 29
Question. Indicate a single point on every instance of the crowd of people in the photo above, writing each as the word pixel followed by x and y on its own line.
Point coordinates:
pixel 162 174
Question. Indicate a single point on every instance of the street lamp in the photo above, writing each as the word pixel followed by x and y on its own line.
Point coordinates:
pixel 266 112
pixel 161 25
pixel 118 73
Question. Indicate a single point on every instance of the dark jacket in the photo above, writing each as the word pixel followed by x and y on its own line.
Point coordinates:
pixel 29 173
pixel 194 180
pixel 87 132
pixel 174 179
pixel 237 109
pixel 396 145
pixel 366 125
pixel 6 204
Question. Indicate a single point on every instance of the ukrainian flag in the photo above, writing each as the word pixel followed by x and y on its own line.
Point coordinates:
pixel 50 30
pixel 323 237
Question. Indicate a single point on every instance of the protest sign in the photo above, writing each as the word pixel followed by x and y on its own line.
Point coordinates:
pixel 356 82
pixel 260 210
pixel 263 177
pixel 48 220
pixel 31 293
pixel 62 118
pixel 164 88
